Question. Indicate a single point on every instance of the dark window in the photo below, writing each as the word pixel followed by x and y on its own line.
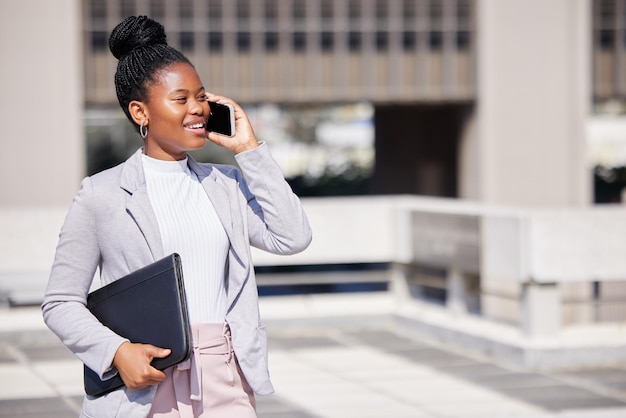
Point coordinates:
pixel 436 13
pixel 354 10
pixel 463 12
pixel 327 40
pixel 326 10
pixel 299 10
pixel 215 9
pixel 271 10
pixel 463 39
pixel 299 41
pixel 382 40
pixel 435 40
pixel 409 40
pixel 408 10
pixel 157 9
pixel 271 41
pixel 127 8
pixel 187 41
pixel 243 10
pixel 354 40
pixel 243 41
pixel 98 10
pixel 215 41
pixel 381 9
pixel 99 41
pixel 185 9
pixel 606 39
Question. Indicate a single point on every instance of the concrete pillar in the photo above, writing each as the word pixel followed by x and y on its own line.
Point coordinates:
pixel 399 277
pixel 456 286
pixel 42 154
pixel 541 310
pixel 533 97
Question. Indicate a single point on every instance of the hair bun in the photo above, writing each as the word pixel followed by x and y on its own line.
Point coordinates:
pixel 135 32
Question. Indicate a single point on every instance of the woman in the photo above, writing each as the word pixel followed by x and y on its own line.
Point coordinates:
pixel 161 201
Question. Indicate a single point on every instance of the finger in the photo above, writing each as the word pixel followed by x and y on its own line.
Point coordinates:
pixel 157 352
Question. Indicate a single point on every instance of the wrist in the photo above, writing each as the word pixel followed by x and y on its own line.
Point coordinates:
pixel 246 147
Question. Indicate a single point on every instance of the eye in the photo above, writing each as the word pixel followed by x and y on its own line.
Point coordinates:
pixel 180 99
pixel 203 98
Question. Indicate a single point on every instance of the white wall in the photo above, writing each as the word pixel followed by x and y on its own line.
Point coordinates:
pixel 41 138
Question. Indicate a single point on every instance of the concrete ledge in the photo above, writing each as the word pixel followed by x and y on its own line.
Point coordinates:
pixel 574 347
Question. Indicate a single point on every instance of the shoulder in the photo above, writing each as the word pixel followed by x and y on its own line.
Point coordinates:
pixel 223 171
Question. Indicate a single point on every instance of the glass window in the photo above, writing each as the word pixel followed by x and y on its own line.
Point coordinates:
pixel 409 40
pixel 327 40
pixel 435 40
pixel 299 9
pixel 98 10
pixel 271 41
pixel 127 8
pixel 354 10
pixel 99 41
pixel 157 9
pixel 299 41
pixel 185 10
pixel 215 41
pixel 271 10
pixel 187 41
pixel 463 39
pixel 326 10
pixel 354 40
pixel 381 9
pixel 215 9
pixel 243 41
pixel 382 40
pixel 243 10
pixel 435 13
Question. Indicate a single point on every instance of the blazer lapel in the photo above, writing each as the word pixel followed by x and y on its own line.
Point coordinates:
pixel 138 205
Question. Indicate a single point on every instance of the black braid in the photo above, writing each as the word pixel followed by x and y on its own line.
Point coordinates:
pixel 140 45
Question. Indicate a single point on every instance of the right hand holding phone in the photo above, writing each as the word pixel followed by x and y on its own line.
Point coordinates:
pixel 244 138
pixel 132 361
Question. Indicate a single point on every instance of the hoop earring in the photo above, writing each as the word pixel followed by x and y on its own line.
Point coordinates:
pixel 142 132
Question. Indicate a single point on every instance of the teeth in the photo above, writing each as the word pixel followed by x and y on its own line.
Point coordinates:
pixel 195 126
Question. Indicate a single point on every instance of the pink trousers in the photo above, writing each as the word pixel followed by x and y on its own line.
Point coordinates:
pixel 209 384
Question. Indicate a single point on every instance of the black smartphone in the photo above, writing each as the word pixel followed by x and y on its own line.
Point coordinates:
pixel 222 119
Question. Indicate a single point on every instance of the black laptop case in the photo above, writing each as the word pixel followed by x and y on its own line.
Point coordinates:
pixel 146 306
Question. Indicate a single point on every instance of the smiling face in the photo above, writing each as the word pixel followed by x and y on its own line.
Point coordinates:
pixel 176 113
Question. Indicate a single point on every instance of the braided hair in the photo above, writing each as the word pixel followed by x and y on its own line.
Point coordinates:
pixel 139 44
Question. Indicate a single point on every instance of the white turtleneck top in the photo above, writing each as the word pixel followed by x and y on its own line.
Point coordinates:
pixel 190 227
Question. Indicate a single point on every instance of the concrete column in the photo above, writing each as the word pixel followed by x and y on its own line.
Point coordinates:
pixel 533 97
pixel 399 276
pixel 456 286
pixel 42 156
pixel 541 310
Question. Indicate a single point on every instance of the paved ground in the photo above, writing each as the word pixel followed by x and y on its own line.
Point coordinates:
pixel 331 370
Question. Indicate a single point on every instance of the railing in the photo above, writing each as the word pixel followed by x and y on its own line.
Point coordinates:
pixel 540 269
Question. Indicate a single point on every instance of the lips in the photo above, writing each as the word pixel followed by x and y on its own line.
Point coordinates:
pixel 196 126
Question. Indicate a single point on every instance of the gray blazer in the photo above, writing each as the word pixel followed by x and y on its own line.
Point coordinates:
pixel 111 226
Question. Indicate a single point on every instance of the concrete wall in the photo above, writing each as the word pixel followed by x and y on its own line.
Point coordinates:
pixel 528 145
pixel 41 138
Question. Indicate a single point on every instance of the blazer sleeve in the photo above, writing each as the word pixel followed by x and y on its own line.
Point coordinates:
pixel 277 222
pixel 64 305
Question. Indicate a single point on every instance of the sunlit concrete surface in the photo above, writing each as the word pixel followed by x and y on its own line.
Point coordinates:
pixel 359 364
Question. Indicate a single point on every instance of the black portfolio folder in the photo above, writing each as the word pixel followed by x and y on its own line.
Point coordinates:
pixel 146 306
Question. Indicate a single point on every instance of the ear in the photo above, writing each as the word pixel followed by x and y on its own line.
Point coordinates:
pixel 138 112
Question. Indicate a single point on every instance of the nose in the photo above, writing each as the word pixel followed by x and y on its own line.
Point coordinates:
pixel 197 107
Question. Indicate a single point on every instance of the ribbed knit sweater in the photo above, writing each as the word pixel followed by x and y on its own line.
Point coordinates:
pixel 190 227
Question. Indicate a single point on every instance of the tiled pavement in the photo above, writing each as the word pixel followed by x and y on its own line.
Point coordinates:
pixel 330 370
